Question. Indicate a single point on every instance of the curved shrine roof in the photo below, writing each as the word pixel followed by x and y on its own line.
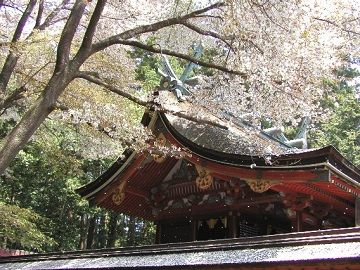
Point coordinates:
pixel 136 183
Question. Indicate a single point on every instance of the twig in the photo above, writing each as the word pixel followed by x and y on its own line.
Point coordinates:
pixel 182 56
pixel 206 33
pixel 338 26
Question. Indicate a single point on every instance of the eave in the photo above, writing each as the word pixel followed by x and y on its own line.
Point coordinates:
pixel 323 174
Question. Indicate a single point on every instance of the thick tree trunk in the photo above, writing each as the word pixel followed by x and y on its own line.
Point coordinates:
pixel 32 119
pixel 112 231
pixel 65 72
pixel 8 68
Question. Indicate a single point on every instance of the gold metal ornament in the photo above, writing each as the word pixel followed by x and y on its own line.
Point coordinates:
pixel 158 158
pixel 204 180
pixel 159 142
pixel 260 186
pixel 119 194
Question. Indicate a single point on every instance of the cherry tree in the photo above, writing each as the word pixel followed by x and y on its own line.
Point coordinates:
pixel 272 55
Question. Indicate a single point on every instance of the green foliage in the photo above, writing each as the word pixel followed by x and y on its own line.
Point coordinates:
pixel 5 127
pixel 43 178
pixel 208 55
pixel 148 63
pixel 22 227
pixel 341 129
pixel 38 191
pixel 45 181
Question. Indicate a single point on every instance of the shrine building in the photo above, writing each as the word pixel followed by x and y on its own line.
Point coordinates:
pixel 223 195
pixel 207 193
pixel 224 177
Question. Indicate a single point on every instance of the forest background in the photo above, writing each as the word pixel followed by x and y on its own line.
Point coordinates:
pixel 77 76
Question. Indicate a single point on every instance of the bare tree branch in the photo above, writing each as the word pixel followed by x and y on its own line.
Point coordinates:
pixel 182 56
pixel 210 16
pixel 40 13
pixel 112 88
pixel 124 37
pixel 90 31
pixel 11 6
pixel 52 15
pixel 10 100
pixel 23 20
pixel 150 28
pixel 338 26
pixel 63 51
pixel 12 58
pixel 18 93
pixel 206 32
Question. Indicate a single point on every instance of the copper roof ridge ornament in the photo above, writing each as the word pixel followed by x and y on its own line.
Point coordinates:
pixel 171 82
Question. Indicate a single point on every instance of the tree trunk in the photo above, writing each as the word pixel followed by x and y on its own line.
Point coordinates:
pixel 83 227
pixel 65 72
pixel 122 230
pixel 101 243
pixel 91 232
pixel 32 119
pixel 8 68
pixel 131 232
pixel 12 58
pixel 112 232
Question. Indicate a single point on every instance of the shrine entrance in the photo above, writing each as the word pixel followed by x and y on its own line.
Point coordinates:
pixel 221 227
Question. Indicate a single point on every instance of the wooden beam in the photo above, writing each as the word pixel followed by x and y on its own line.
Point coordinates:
pixel 128 172
pixel 299 221
pixel 318 193
pixel 137 192
pixel 256 200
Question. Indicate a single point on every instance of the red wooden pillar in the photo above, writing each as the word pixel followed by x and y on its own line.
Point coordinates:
pixel 299 222
pixel 194 227
pixel 232 225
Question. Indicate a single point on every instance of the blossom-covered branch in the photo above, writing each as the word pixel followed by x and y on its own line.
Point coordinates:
pixel 116 39
pixel 149 103
pixel 157 49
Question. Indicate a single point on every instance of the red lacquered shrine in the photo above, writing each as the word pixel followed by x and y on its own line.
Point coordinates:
pixel 217 208
pixel 214 192
pixel 230 195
